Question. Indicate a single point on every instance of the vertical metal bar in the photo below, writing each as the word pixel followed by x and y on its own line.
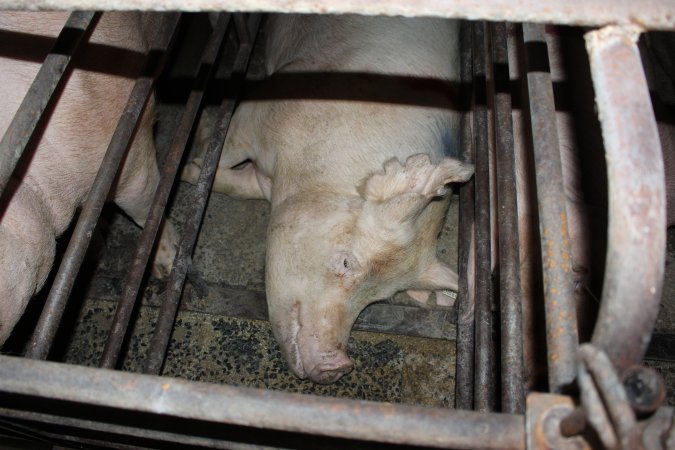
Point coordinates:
pixel 39 94
pixel 171 297
pixel 48 323
pixel 484 375
pixel 513 396
pixel 134 277
pixel 466 295
pixel 561 323
pixel 637 207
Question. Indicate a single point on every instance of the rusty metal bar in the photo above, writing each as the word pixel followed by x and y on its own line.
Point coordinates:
pixel 466 295
pixel 259 408
pixel 561 323
pixel 483 368
pixel 513 395
pixel 636 241
pixel 20 130
pixel 72 424
pixel 145 243
pixel 172 295
pixel 652 14
pixel 44 333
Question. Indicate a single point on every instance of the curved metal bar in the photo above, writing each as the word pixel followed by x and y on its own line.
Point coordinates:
pixel 636 243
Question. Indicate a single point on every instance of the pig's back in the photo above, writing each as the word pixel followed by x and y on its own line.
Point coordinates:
pixel 356 92
pixel 420 47
pixel 67 151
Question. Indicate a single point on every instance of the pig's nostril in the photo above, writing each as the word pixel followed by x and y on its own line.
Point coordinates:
pixel 331 372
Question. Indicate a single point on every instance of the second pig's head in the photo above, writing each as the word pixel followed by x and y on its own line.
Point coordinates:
pixel 331 255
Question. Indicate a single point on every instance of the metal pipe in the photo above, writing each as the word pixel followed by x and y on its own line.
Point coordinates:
pixel 107 431
pixel 466 295
pixel 259 408
pixel 44 333
pixel 561 323
pixel 636 242
pixel 484 373
pixel 20 130
pixel 513 396
pixel 145 243
pixel 171 296
pixel 652 14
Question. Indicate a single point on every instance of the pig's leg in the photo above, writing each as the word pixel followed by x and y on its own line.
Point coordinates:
pixel 237 174
pixel 136 188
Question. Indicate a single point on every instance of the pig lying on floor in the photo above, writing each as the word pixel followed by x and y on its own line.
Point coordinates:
pixel 346 139
pixel 58 168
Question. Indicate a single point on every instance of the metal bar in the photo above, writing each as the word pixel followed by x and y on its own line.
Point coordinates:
pixel 172 295
pixel 20 130
pixel 652 14
pixel 44 333
pixel 466 295
pixel 384 317
pixel 513 396
pixel 259 408
pixel 561 323
pixel 145 243
pixel 126 431
pixel 636 243
pixel 484 373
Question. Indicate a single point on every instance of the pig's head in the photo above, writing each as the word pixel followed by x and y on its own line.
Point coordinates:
pixel 331 255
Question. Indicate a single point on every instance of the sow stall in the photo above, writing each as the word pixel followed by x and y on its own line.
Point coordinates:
pixel 86 407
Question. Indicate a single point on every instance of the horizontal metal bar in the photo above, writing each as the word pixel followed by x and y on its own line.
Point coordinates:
pixel 636 240
pixel 127 432
pixel 259 408
pixel 20 130
pixel 651 14
pixel 384 317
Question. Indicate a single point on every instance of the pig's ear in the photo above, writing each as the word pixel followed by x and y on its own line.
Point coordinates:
pixel 403 191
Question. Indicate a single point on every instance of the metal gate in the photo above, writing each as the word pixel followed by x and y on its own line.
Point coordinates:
pixel 72 405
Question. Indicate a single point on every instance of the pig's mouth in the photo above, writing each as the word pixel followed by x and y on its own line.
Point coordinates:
pixel 294 349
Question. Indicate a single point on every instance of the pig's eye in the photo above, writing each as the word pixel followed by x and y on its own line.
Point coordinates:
pixel 344 263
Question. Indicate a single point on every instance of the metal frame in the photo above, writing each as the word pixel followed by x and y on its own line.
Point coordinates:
pixel 36 393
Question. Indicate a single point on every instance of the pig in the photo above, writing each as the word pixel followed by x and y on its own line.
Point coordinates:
pixel 347 139
pixel 58 168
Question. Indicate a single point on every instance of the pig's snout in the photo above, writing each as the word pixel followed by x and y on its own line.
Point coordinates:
pixel 330 367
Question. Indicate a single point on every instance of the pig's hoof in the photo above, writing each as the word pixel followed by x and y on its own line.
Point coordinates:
pixel 330 372
pixel 191 171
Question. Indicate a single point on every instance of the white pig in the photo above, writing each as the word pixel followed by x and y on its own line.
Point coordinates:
pixel 346 139
pixel 57 171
